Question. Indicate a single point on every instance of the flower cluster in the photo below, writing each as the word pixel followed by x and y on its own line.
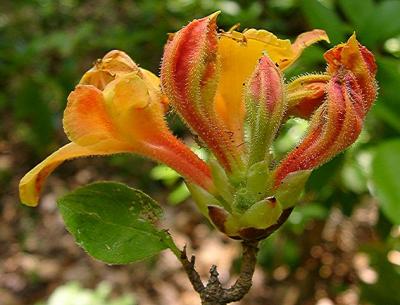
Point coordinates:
pixel 229 88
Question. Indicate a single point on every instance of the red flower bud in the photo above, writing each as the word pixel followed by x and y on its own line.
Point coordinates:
pixel 265 105
pixel 335 125
pixel 358 59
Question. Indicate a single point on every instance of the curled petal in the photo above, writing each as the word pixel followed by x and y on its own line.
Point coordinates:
pixel 32 183
pixel 305 94
pixel 334 126
pixel 105 70
pixel 306 39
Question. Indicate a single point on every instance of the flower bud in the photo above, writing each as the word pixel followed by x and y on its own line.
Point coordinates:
pixel 337 123
pixel 360 61
pixel 265 105
pixel 334 126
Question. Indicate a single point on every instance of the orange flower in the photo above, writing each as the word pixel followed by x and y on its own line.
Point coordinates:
pixel 126 116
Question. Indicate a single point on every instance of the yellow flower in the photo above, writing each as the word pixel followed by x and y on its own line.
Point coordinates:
pixel 117 108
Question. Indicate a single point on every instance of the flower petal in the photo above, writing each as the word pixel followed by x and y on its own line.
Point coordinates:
pixel 306 39
pixel 153 80
pixel 135 107
pixel 105 70
pixel 86 120
pixel 32 183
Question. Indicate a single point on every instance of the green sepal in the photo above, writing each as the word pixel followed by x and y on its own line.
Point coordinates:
pixel 257 179
pixel 262 214
pixel 221 180
pixel 243 201
pixel 202 198
pixel 289 191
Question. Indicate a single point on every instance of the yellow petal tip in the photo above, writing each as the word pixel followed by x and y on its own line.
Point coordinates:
pixel 214 16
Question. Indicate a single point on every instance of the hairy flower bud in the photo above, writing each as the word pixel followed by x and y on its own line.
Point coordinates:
pixel 337 123
pixel 334 126
pixel 360 61
pixel 265 105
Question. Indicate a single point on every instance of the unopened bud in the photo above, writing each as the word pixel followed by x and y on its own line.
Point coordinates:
pixel 265 105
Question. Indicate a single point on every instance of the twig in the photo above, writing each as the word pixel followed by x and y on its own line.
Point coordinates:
pixel 213 293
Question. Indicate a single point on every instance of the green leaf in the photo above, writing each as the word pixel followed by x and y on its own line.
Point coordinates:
pixel 385 177
pixel 113 222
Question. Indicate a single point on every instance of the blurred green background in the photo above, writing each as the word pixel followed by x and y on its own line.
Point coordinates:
pixel 340 246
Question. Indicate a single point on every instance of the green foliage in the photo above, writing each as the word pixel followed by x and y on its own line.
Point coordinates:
pixel 386 286
pixel 73 293
pixel 321 16
pixel 385 176
pixel 113 223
